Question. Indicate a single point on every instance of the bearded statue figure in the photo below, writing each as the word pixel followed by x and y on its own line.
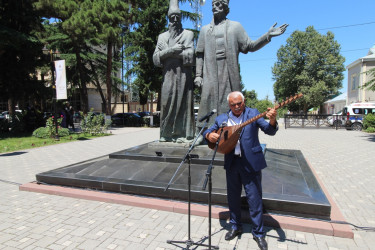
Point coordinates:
pixel 175 54
pixel 218 48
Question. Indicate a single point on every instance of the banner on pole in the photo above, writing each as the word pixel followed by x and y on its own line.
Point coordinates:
pixel 60 80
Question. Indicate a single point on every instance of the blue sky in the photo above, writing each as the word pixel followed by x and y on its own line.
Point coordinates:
pixel 352 23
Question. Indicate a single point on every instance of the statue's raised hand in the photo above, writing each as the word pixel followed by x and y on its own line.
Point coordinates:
pixel 278 30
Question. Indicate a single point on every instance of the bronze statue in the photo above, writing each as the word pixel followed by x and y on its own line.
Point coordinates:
pixel 218 47
pixel 175 54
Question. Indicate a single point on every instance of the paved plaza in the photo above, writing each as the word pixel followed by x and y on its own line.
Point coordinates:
pixel 343 160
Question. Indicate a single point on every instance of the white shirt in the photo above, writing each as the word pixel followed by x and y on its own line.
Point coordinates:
pixel 234 120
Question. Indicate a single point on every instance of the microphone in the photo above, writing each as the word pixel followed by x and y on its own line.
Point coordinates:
pixel 209 114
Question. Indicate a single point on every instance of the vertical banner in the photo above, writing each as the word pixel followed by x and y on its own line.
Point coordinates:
pixel 60 80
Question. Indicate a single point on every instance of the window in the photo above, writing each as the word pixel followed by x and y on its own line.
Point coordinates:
pixel 369 111
pixel 354 82
pixel 357 111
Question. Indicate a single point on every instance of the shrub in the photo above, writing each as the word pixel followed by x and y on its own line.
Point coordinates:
pixel 49 130
pixel 51 126
pixel 42 132
pixel 93 124
pixel 369 123
pixel 63 132
pixel 370 130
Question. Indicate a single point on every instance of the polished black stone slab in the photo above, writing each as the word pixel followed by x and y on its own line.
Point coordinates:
pixel 289 186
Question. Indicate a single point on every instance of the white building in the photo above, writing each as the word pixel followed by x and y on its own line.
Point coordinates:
pixel 335 105
pixel 357 78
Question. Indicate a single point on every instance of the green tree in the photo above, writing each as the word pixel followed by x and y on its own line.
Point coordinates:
pixel 310 63
pixel 140 42
pixel 370 84
pixel 262 105
pixel 251 97
pixel 151 20
pixel 110 18
pixel 88 35
pixel 20 52
pixel 70 34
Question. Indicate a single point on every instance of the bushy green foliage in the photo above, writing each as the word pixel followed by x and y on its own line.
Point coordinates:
pixel 370 130
pixel 49 130
pixel 51 127
pixel 281 112
pixel 309 63
pixel 63 132
pixel 42 132
pixel 370 84
pixel 262 105
pixel 94 124
pixel 369 123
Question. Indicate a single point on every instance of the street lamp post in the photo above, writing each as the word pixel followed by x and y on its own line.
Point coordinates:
pixel 123 31
pixel 122 75
pixel 52 66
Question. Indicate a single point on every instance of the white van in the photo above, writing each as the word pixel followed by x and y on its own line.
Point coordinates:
pixel 353 113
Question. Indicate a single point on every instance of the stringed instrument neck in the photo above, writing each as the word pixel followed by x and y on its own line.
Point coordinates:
pixel 276 107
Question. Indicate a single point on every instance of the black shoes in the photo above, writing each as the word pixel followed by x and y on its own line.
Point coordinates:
pixel 232 234
pixel 261 241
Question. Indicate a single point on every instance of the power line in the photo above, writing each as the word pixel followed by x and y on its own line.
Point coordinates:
pixel 331 28
pixel 274 58
pixel 347 26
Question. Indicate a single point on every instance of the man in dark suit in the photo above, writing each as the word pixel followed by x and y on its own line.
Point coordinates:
pixel 244 164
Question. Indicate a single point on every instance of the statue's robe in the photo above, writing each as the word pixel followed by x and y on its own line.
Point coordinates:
pixel 221 76
pixel 177 102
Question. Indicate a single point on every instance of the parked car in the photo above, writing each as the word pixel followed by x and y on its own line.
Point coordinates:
pixel 144 113
pixel 335 119
pixel 5 114
pixel 126 119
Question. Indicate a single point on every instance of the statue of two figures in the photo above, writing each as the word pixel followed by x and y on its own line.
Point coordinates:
pixel 217 69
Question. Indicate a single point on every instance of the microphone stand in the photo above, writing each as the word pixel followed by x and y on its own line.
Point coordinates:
pixel 209 179
pixel 188 156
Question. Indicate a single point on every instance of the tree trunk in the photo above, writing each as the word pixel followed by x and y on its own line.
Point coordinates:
pixel 108 81
pixel 83 88
pixel 96 82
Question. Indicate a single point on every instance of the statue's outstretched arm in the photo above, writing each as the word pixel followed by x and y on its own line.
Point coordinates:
pixel 266 38
pixel 277 31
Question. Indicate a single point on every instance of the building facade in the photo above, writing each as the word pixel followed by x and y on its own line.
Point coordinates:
pixel 357 78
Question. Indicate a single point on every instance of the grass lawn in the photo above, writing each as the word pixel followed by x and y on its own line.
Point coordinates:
pixel 10 143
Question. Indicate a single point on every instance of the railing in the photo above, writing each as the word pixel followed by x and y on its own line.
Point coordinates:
pixel 353 122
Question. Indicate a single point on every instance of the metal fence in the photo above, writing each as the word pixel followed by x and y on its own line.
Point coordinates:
pixel 352 122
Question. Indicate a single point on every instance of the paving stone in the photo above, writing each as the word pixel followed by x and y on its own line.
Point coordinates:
pixel 41 221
